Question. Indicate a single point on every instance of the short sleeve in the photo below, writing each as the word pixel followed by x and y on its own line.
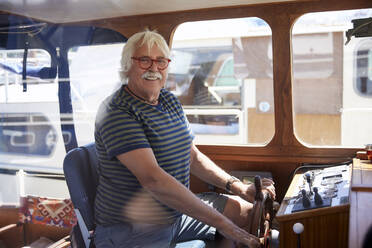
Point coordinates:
pixel 189 128
pixel 120 132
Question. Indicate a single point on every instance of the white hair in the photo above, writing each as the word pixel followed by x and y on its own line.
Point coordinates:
pixel 148 37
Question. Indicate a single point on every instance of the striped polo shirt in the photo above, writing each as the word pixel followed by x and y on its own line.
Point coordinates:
pixel 124 123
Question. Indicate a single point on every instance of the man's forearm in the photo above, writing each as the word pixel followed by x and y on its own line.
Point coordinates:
pixel 175 195
pixel 166 188
pixel 208 171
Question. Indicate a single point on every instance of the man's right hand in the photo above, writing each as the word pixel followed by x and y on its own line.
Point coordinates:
pixel 239 235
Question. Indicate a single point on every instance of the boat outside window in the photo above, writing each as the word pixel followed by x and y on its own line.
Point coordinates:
pixel 332 87
pixel 222 73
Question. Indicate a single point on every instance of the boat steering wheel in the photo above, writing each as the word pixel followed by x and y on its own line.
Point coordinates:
pixel 262 214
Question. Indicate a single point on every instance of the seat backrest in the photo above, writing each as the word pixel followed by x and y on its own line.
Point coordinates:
pixel 80 169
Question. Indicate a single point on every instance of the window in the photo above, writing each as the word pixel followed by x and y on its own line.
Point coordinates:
pixel 226 76
pixel 36 125
pixel 63 62
pixel 29 118
pixel 363 70
pixel 37 80
pixel 332 85
pixel 94 75
pixel 223 78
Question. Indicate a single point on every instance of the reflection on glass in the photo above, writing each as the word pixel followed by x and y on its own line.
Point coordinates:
pixel 30 136
pixel 91 68
pixel 213 124
pixel 332 88
pixel 221 71
pixel 27 134
pixel 364 68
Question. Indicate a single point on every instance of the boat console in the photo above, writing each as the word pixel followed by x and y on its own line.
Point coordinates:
pixel 318 200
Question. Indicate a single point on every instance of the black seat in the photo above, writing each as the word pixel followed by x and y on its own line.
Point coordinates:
pixel 80 169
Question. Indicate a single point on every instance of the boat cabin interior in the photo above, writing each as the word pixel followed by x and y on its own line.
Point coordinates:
pixel 275 88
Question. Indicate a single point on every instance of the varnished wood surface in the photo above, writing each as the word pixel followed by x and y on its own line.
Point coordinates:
pixel 323 227
pixel 12 237
pixel 362 176
pixel 328 230
pixel 360 202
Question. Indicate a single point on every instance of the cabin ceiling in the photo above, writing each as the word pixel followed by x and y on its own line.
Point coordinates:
pixel 64 11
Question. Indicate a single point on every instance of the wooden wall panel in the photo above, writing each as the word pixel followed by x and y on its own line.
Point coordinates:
pixel 14 236
pixel 327 229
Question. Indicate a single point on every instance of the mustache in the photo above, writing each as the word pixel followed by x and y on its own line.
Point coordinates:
pixel 151 75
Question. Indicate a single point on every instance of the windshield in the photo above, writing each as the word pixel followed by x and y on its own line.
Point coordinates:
pixel 49 79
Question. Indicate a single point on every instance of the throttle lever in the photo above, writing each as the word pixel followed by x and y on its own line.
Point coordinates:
pixel 255 215
pixel 258 186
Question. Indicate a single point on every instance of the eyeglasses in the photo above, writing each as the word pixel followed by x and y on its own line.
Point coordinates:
pixel 146 62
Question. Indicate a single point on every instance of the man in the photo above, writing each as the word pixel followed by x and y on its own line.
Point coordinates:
pixel 146 154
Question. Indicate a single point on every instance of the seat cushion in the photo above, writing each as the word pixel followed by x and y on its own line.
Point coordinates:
pixel 47 211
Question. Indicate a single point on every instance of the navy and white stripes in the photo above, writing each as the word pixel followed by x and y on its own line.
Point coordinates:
pixel 125 123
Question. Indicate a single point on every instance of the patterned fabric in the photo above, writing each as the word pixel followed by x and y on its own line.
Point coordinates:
pixel 123 124
pixel 47 211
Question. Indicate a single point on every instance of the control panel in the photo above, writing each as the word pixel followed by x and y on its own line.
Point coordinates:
pixel 318 188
